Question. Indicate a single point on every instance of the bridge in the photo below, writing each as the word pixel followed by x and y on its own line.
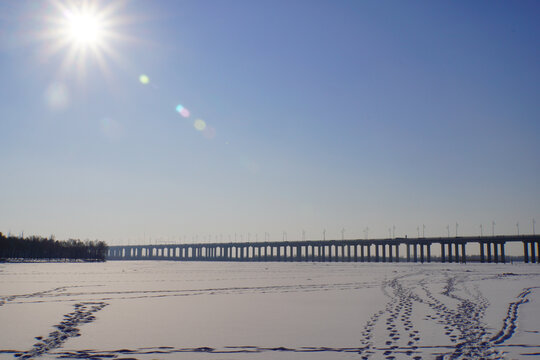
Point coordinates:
pixel 452 249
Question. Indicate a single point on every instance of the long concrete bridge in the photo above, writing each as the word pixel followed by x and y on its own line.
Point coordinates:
pixel 452 249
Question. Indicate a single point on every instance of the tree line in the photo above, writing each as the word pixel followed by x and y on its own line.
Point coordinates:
pixel 41 248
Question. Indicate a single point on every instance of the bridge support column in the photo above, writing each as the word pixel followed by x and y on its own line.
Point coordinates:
pixel 488 252
pixel 443 255
pixel 450 256
pixel 421 253
pixel 482 258
pixel 390 257
pixel 428 247
pixel 525 252
pixel 456 252
pixel 408 252
pixel 415 252
pixel 376 253
pixel 533 252
pixel 397 252
pixel 503 255
pixel 463 254
pixel 362 254
pixel 496 253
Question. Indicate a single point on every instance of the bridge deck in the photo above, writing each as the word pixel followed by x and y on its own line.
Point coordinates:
pixel 452 249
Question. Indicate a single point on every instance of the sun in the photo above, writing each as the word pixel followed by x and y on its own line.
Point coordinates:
pixel 84 28
pixel 85 32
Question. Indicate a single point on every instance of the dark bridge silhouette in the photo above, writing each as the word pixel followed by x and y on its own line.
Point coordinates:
pixel 452 249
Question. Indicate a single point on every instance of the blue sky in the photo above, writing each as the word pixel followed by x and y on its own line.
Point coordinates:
pixel 324 115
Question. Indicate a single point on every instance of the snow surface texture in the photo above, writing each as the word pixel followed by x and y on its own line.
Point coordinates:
pixel 175 310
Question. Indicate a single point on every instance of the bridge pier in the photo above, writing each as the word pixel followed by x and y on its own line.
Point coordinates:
pixel 397 252
pixel 443 256
pixel 408 252
pixel 482 256
pixel 415 252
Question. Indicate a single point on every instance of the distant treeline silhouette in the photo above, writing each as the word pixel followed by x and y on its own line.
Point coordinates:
pixel 40 248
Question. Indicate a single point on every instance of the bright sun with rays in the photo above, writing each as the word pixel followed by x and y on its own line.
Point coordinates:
pixel 82 32
pixel 84 29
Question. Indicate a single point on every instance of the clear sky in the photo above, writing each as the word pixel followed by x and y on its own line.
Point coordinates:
pixel 317 115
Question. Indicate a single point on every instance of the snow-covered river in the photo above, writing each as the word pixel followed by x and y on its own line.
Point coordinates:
pixel 205 310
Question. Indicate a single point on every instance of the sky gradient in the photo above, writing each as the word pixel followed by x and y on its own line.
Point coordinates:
pixel 319 115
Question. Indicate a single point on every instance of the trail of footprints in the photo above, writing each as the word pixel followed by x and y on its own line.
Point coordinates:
pixel 83 313
pixel 397 314
pixel 510 321
pixel 463 325
pixel 6 299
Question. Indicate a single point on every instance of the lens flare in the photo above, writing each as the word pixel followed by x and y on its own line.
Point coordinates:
pixel 182 111
pixel 199 124
pixel 144 79
pixel 209 132
pixel 57 96
pixel 110 128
